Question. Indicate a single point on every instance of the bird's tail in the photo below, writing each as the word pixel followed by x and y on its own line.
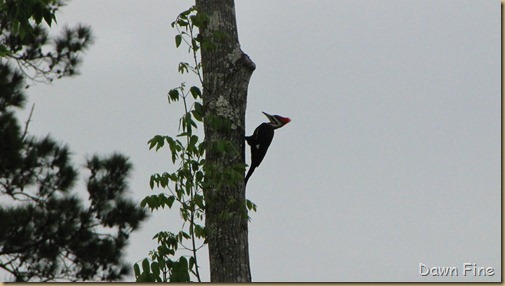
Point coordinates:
pixel 249 173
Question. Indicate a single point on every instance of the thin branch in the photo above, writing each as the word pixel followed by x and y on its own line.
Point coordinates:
pixel 27 123
pixel 24 65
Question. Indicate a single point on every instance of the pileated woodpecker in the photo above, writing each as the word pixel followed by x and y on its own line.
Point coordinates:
pixel 261 139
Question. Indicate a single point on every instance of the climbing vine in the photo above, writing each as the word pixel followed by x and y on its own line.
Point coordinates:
pixel 185 185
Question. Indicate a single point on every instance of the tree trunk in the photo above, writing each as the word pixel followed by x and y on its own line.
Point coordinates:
pixel 226 74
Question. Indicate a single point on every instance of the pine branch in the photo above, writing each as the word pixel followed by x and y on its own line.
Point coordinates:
pixel 27 123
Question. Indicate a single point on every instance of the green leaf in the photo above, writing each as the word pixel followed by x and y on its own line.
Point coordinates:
pixel 198 111
pixel 182 23
pixel 156 201
pixel 145 265
pixel 151 183
pixel 180 271
pixel 199 107
pixel 200 19
pixel 183 67
pixel 193 140
pixel 173 95
pixel 170 201
pixel 163 251
pixel 178 40
pixel 187 123
pixel 181 235
pixel 250 205
pixel 136 269
pixel 199 176
pixel 191 262
pixel 184 14
pixel 194 45
pixel 157 141
pixel 159 259
pixel 169 263
pixel 174 147
pixel 190 120
pixel 155 269
pixel 195 91
pixel 199 231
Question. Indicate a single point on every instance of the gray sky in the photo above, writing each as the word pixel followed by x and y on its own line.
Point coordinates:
pixel 392 157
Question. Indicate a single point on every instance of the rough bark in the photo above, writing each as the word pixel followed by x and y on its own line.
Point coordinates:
pixel 226 74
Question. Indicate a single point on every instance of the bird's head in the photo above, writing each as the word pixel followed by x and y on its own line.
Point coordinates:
pixel 277 121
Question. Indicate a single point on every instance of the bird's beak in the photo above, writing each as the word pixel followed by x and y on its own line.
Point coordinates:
pixel 270 117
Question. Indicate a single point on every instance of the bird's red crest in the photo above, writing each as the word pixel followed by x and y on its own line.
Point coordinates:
pixel 284 120
pixel 277 121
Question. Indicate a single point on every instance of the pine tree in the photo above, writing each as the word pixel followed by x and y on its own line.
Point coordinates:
pixel 47 232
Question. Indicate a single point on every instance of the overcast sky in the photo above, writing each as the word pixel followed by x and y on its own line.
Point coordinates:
pixel 392 157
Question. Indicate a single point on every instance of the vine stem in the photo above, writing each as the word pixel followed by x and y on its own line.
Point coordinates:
pixel 192 209
pixel 192 216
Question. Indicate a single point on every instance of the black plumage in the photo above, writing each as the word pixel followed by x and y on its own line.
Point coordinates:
pixel 261 139
pixel 259 142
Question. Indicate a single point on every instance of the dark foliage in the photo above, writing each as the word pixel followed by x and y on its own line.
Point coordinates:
pixel 47 232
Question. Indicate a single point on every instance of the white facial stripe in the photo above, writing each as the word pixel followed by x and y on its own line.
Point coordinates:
pixel 277 123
